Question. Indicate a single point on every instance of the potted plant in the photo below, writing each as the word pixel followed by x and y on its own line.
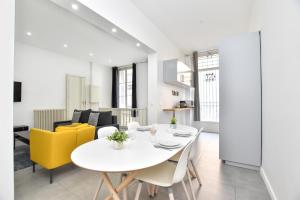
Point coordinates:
pixel 173 123
pixel 118 138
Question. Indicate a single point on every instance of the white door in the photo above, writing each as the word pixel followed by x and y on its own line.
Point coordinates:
pixel 75 94
pixel 240 99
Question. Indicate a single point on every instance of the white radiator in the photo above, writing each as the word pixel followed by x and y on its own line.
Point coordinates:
pixel 125 115
pixel 43 119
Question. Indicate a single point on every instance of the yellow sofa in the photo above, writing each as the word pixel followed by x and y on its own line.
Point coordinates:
pixel 53 149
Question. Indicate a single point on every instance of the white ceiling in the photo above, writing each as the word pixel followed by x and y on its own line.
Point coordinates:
pixel 53 26
pixel 197 24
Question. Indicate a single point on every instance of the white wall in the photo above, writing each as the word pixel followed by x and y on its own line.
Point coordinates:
pixel 167 100
pixel 7 13
pixel 43 73
pixel 279 23
pixel 153 100
pixel 102 77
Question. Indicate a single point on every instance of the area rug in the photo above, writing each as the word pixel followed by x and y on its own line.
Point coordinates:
pixel 22 157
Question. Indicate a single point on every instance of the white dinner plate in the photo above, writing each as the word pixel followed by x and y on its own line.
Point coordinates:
pixel 168 143
pixel 187 134
pixel 181 132
pixel 144 128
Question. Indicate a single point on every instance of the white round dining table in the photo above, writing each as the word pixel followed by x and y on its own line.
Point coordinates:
pixel 138 153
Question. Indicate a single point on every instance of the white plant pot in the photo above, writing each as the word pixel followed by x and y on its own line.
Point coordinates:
pixel 118 145
pixel 174 126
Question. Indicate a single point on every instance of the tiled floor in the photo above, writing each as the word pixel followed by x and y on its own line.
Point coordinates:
pixel 220 182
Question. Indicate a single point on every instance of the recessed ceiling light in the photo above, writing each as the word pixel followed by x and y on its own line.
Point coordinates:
pixel 28 33
pixel 138 44
pixel 91 54
pixel 66 45
pixel 74 6
pixel 114 30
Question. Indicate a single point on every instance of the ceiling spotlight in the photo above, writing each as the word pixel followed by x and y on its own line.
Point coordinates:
pixel 65 45
pixel 114 30
pixel 138 44
pixel 28 33
pixel 91 54
pixel 74 6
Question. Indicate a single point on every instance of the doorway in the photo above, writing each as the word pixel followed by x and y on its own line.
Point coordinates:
pixel 75 94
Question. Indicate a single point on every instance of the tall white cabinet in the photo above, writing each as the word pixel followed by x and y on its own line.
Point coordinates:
pixel 240 100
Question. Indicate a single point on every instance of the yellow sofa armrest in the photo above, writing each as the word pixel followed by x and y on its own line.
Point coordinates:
pixel 51 149
pixel 85 134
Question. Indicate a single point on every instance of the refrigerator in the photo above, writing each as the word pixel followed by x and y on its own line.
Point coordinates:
pixel 240 100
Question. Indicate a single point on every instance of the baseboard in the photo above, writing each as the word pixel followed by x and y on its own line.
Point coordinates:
pixel 252 167
pixel 268 184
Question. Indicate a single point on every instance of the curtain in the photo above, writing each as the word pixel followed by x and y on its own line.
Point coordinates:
pixel 115 88
pixel 134 97
pixel 196 85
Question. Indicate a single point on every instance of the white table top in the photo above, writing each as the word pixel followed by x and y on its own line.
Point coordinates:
pixel 139 153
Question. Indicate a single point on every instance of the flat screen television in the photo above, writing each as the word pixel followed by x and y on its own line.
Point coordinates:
pixel 17 91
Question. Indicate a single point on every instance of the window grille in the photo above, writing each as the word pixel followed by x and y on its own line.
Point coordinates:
pixel 208 66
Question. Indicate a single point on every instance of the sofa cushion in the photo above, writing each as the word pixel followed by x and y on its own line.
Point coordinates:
pixel 73 126
pixel 76 116
pixel 94 118
pixel 85 114
pixel 97 112
pixel 105 118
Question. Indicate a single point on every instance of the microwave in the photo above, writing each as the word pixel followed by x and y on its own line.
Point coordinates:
pixel 187 104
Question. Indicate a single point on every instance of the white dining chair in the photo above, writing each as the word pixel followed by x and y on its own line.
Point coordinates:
pixel 166 174
pixel 192 157
pixel 106 131
pixel 133 126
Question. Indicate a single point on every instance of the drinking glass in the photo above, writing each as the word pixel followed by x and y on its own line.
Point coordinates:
pixel 153 131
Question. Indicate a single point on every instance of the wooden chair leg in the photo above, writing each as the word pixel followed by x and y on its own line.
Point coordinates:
pixel 171 195
pixel 185 190
pixel 190 168
pixel 153 190
pixel 191 186
pixel 150 190
pixel 156 190
pixel 138 191
pixel 196 173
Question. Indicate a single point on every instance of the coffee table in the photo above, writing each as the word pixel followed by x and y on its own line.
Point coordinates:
pixel 21 133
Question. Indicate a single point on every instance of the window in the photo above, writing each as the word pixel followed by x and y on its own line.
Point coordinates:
pixel 125 87
pixel 208 65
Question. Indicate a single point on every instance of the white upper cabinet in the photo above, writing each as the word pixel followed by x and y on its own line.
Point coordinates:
pixel 177 73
